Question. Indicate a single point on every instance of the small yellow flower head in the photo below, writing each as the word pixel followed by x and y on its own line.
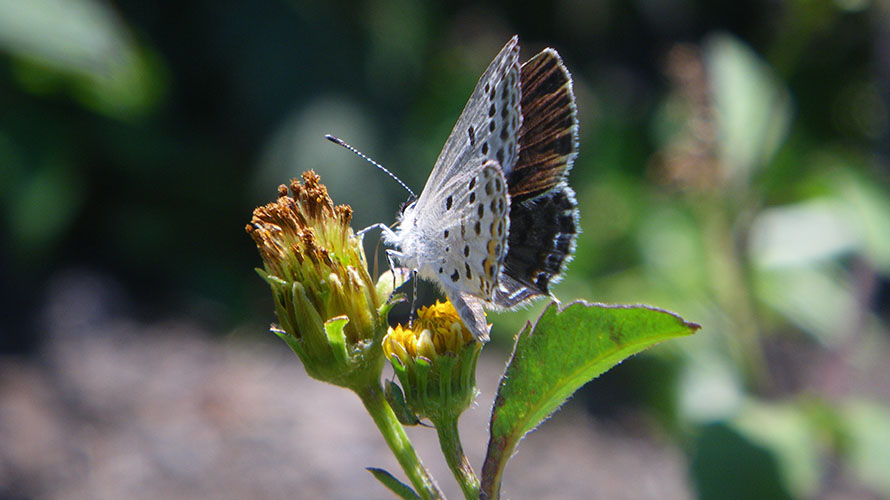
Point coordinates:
pixel 436 331
pixel 325 299
pixel 435 360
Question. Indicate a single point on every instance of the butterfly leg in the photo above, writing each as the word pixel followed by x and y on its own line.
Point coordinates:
pixel 391 257
pixel 413 315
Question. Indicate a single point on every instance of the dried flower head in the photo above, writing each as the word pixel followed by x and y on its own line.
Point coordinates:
pixel 325 299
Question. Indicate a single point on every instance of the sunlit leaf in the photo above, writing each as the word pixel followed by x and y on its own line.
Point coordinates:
pixel 815 298
pixel 784 431
pixel 803 233
pixel 869 204
pixel 563 351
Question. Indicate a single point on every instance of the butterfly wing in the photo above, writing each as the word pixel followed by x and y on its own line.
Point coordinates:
pixel 543 210
pixel 548 136
pixel 541 242
pixel 462 237
pixel 459 239
pixel 519 129
pixel 489 125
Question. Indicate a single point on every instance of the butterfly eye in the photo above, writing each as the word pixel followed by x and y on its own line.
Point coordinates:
pixel 407 205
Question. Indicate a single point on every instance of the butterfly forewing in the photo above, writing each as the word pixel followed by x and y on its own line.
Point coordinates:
pixel 548 137
pixel 543 210
pixel 489 125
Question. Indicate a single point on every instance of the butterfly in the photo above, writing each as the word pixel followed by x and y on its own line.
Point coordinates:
pixel 496 222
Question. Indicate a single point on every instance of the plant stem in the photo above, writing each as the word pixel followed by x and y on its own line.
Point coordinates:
pixel 734 292
pixel 449 440
pixel 394 435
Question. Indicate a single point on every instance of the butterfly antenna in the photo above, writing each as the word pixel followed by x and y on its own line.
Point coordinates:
pixel 337 140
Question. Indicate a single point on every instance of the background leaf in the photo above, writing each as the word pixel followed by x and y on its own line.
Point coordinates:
pixel 563 351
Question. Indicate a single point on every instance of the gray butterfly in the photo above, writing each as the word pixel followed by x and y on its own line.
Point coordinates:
pixel 496 221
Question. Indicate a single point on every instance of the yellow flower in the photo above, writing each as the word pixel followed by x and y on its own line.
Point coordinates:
pixel 435 361
pixel 436 331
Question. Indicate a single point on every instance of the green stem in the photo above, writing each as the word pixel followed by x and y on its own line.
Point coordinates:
pixel 734 292
pixel 449 440
pixel 394 435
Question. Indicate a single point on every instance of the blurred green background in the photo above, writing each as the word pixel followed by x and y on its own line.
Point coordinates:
pixel 734 168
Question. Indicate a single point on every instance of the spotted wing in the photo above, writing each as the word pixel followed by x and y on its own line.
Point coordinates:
pixel 489 124
pixel 471 228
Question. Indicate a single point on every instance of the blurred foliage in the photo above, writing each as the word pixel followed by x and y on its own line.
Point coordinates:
pixel 733 168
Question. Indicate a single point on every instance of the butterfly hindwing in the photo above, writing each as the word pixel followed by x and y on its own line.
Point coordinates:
pixel 471 224
pixel 541 242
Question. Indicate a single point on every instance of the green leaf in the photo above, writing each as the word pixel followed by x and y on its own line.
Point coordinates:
pixel 785 433
pixel 563 351
pixel 399 488
pixel 84 48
